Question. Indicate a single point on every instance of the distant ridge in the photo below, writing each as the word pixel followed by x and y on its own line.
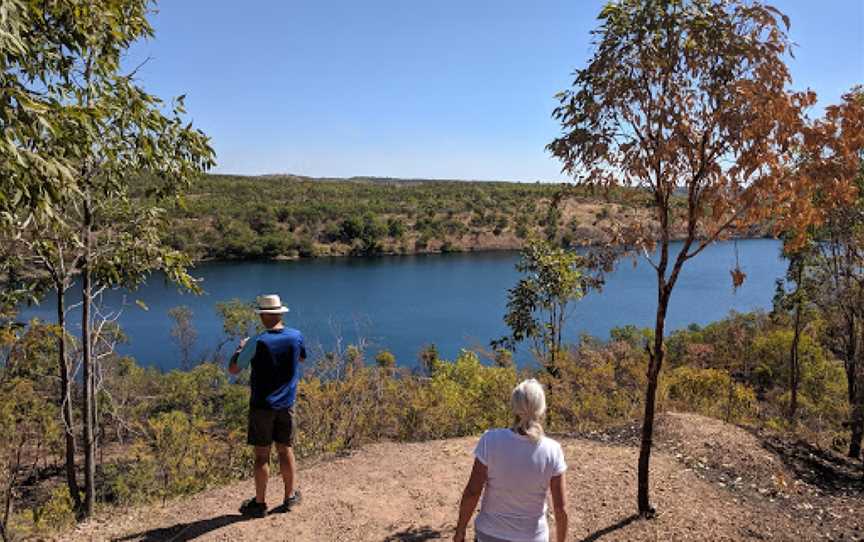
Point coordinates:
pixel 379 179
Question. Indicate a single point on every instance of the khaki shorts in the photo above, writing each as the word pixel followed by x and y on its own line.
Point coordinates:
pixel 269 426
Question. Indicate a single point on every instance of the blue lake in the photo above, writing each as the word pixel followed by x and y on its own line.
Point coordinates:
pixel 455 301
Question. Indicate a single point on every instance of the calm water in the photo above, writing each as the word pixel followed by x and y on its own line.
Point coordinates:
pixel 453 300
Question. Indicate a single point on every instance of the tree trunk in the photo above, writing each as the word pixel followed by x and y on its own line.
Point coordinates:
pixel 729 396
pixel 87 406
pixel 794 366
pixel 853 381
pixel 857 431
pixel 8 492
pixel 7 510
pixel 856 422
pixel 856 396
pixel 551 341
pixel 66 400
pixel 655 362
pixel 850 361
pixel 553 348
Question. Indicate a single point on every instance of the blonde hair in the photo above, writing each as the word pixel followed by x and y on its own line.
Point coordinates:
pixel 528 403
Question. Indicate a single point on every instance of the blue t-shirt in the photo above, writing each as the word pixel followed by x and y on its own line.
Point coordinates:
pixel 274 356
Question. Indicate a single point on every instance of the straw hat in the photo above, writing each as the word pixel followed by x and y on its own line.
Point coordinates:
pixel 270 304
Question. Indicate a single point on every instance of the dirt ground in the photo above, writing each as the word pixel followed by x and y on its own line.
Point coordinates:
pixel 710 481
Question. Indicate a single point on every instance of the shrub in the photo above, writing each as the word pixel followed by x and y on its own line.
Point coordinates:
pixel 334 415
pixel 197 392
pixel 521 230
pixel 500 225
pixel 707 391
pixel 305 248
pixel 57 512
pixel 276 244
pixel 597 386
pixel 447 247
pixel 262 220
pixel 385 360
pixel 395 228
pixel 178 445
pixel 470 397
pixel 822 389
pixel 504 358
pixel 428 359
pixel 176 456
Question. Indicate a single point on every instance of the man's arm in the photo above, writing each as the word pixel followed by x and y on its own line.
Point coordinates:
pixel 233 366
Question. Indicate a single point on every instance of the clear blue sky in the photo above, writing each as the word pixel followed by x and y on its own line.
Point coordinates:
pixel 409 88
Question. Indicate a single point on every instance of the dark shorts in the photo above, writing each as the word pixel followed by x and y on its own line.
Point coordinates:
pixel 269 426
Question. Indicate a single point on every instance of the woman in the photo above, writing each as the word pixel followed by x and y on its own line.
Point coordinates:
pixel 516 467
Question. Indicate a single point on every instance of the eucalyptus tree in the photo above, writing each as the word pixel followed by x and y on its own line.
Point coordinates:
pixel 37 43
pixel 687 100
pixel 183 333
pixel 44 244
pixel 838 274
pixel 121 239
pixel 828 267
pixel 111 137
pixel 796 304
pixel 540 303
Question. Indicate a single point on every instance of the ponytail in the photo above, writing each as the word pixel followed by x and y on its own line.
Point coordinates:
pixel 528 403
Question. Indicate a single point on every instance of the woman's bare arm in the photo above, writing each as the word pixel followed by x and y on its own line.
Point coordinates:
pixel 558 486
pixel 470 496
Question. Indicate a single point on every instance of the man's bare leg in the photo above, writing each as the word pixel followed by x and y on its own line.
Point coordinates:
pixel 262 472
pixel 287 466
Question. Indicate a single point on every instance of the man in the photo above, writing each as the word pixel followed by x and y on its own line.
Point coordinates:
pixel 274 356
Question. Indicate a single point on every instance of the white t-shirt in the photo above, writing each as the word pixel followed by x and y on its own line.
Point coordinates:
pixel 514 500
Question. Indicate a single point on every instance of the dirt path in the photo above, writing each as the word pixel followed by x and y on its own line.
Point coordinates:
pixel 409 492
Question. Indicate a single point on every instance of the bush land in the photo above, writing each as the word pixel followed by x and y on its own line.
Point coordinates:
pixel 168 434
pixel 276 217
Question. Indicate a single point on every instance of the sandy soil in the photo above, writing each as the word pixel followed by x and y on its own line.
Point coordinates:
pixel 711 481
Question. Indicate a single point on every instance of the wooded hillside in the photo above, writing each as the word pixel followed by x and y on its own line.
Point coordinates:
pixel 274 217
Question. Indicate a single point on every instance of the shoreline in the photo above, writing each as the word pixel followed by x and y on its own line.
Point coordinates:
pixel 348 255
pixel 429 252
